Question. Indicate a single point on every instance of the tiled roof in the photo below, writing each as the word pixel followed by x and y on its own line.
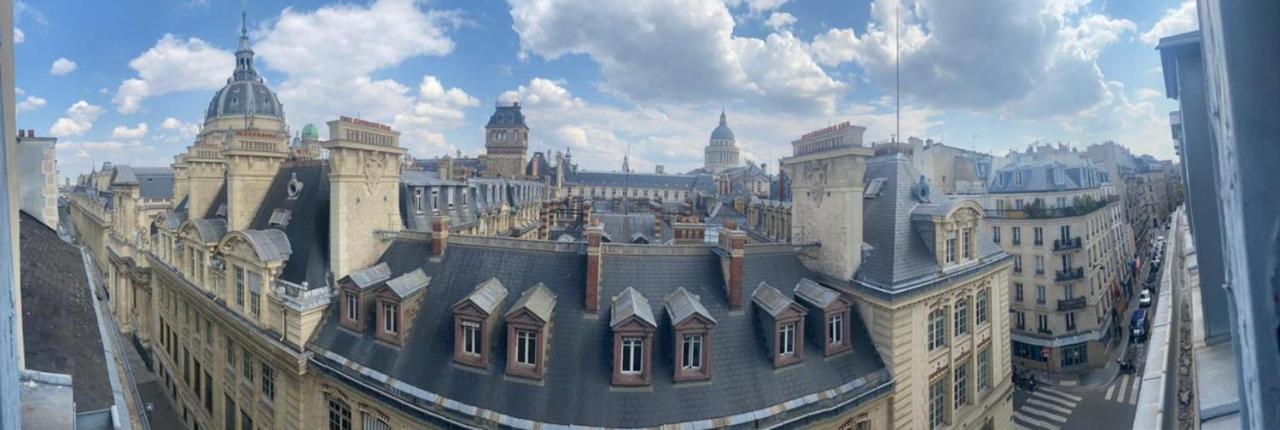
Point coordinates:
pixel 61 325
pixel 579 366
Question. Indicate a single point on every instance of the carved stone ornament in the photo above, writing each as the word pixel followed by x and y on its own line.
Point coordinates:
pixel 372 166
pixel 815 174
pixel 295 186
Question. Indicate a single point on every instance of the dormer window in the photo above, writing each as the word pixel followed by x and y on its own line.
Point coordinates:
pixel 781 318
pixel 357 297
pixel 691 327
pixel 390 318
pixel 830 326
pixel 835 329
pixel 527 325
pixel 951 247
pixel 398 305
pixel 353 306
pixel 418 205
pixel 633 325
pixel 475 317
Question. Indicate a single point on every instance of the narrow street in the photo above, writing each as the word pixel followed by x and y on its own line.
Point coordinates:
pixel 1100 406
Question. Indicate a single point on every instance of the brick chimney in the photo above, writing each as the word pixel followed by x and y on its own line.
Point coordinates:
pixel 595 237
pixel 733 241
pixel 439 236
pixel 689 230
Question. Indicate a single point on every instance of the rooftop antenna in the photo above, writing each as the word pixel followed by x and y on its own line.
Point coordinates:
pixel 897 78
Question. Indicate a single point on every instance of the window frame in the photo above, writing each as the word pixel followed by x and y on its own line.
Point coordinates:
pixel 632 360
pixel 787 339
pixel 526 347
pixel 691 351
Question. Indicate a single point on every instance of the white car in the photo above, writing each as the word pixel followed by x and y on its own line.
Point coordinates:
pixel 1144 300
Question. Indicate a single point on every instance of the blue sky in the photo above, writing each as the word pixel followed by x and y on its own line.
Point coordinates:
pixel 129 82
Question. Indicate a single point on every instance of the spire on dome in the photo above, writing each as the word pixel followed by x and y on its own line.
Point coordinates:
pixel 723 120
pixel 244 55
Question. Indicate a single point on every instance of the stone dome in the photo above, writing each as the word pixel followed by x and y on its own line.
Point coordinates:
pixel 310 132
pixel 722 132
pixel 245 93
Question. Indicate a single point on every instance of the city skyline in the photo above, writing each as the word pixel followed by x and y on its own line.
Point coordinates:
pixel 779 68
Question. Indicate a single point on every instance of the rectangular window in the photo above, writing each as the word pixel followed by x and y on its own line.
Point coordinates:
pixel 632 358
pixel 787 339
pixel 1017 234
pixel 229 413
pixel 245 421
pixel 937 329
pixel 339 415
pixel 980 306
pixel 1075 355
pixel 1042 322
pixel 239 285
pixel 995 233
pixel 268 382
pixel 962 318
pixel 1017 263
pixel 1017 292
pixel 961 385
pixel 1071 320
pixel 231 352
pixel 951 247
pixel 835 325
pixel 1039 235
pixel 374 423
pixel 527 347
pixel 937 403
pixel 353 306
pixel 966 245
pixel 248 366
pixel 1020 320
pixel 208 393
pixel 470 338
pixel 255 290
pixel 691 357
pixel 1040 294
pixel 390 320
pixel 1039 264
pixel 984 369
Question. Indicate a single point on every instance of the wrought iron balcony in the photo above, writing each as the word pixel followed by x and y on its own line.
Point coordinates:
pixel 1082 207
pixel 1068 244
pixel 1069 274
pixel 1072 304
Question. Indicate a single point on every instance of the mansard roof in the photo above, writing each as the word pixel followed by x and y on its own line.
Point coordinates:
pixel 579 364
pixel 308 228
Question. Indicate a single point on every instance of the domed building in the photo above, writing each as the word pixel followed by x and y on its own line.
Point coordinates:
pixel 722 150
pixel 245 101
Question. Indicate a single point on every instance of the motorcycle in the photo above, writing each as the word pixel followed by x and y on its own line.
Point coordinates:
pixel 1126 366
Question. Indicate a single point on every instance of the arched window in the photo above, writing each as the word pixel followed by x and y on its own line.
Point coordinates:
pixel 339 414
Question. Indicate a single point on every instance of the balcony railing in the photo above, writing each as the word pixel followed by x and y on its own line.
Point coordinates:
pixel 1069 244
pixel 1069 274
pixel 1036 212
pixel 1071 304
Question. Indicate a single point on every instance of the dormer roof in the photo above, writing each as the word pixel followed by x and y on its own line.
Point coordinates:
pixel 370 276
pixel 681 305
pixel 487 296
pixel 539 301
pixel 630 303
pixel 771 300
pixel 818 295
pixel 409 284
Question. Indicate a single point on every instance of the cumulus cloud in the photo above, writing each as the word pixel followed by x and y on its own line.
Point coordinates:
pixel 79 119
pixel 31 103
pixel 1178 20
pixel 124 132
pixel 676 51
pixel 780 21
pixel 173 64
pixel 357 41
pixel 438 109
pixel 757 6
pixel 18 35
pixel 674 135
pixel 183 129
pixel 62 66
pixel 1031 59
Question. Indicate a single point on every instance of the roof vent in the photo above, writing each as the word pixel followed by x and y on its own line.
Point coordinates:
pixel 280 218
pixel 873 188
pixel 921 190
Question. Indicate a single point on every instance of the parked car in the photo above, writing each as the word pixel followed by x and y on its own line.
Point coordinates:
pixel 1139 326
pixel 1144 300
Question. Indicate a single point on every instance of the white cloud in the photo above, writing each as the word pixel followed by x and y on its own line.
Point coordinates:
pixel 1141 124
pixel 780 21
pixel 62 66
pixel 1175 21
pixel 437 110
pixel 124 132
pixel 18 35
pixel 674 135
pixel 173 65
pixel 31 103
pixel 757 6
pixel 676 51
pixel 1031 58
pixel 357 41
pixel 184 129
pixel 79 119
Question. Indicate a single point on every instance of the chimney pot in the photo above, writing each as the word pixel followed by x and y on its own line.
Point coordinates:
pixel 595 236
pixel 734 242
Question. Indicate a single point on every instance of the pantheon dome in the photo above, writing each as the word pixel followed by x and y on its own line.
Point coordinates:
pixel 245 94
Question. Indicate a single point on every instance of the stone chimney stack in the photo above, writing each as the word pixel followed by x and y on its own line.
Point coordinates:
pixel 364 191
pixel 439 236
pixel 826 197
pixel 595 238
pixel 734 243
pixel 689 230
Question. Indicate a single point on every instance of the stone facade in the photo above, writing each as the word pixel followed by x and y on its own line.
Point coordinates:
pixel 826 186
pixel 364 174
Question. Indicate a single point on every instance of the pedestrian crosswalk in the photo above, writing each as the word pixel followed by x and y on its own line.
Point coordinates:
pixel 1124 390
pixel 1046 408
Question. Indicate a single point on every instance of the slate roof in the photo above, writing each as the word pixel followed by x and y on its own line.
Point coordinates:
pixel 507 116
pixel 57 312
pixel 488 296
pixel 629 303
pixel 407 284
pixel 154 182
pixel 370 276
pixel 1041 176
pixel 211 230
pixel 897 250
pixel 770 299
pixel 624 227
pixel 579 367
pixel 681 304
pixel 308 230
pixel 219 200
pixel 270 244
pixel 638 180
pixel 816 294
pixel 538 300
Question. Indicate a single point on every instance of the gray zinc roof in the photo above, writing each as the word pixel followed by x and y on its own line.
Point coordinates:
pixel 681 304
pixel 211 230
pixel 407 284
pixel 770 299
pixel 270 244
pixel 539 300
pixel 631 303
pixel 818 295
pixel 488 295
pixel 370 276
